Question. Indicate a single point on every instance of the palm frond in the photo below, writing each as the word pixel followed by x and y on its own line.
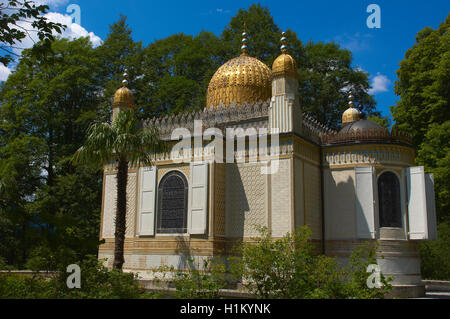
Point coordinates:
pixel 122 139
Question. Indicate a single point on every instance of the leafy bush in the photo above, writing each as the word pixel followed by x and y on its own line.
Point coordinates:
pixel 356 275
pixel 195 283
pixel 289 268
pixel 3 264
pixel 435 255
pixel 25 287
pixel 44 258
pixel 96 282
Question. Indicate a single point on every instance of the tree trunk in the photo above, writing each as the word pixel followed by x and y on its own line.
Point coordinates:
pixel 121 212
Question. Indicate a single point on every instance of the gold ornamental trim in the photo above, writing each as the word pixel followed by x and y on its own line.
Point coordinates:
pixel 242 79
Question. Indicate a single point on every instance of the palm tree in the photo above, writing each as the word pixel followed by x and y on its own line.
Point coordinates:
pixel 124 142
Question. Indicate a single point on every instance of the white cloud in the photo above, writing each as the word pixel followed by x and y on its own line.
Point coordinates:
pixel 380 83
pixel 52 3
pixel 4 72
pixel 72 31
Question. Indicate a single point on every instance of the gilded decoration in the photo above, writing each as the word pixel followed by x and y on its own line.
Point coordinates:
pixel 242 79
pixel 285 65
pixel 350 115
pixel 124 96
pixel 185 169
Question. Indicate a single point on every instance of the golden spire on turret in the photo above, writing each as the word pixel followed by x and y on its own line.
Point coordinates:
pixel 351 114
pixel 285 64
pixel 244 47
pixel 123 98
pixel 241 79
pixel 283 43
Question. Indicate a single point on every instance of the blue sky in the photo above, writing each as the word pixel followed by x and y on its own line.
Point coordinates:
pixel 378 51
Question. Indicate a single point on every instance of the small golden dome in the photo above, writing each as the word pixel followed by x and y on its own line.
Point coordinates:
pixel 123 98
pixel 285 65
pixel 350 115
pixel 242 79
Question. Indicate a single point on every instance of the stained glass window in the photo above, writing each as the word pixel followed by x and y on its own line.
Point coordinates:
pixel 172 204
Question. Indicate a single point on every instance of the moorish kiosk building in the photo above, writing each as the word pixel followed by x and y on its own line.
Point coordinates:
pixel 349 186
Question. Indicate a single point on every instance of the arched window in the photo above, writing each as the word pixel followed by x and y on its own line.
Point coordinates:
pixel 172 204
pixel 389 200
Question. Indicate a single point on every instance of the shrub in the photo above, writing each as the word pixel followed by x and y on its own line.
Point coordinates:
pixel 96 282
pixel 289 268
pixel 356 274
pixel 435 255
pixel 44 258
pixel 195 283
pixel 25 287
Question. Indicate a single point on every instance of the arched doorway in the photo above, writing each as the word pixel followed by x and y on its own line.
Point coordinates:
pixel 389 200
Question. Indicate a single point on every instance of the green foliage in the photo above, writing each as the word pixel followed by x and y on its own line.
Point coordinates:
pixel 434 154
pixel 47 106
pixel 289 268
pixel 96 282
pixel 13 13
pixel 325 77
pixel 325 70
pixel 176 72
pixel 422 83
pixel 435 255
pixel 424 111
pixel 117 53
pixel 198 282
pixel 383 121
pixel 43 258
pixel 25 287
pixel 357 275
pixel 3 264
pixel 424 108
pixel 124 138
pixel 49 103
pixel 125 142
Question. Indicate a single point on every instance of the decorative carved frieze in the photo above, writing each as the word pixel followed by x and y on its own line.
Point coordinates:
pixel 366 136
pixel 244 116
pixel 369 154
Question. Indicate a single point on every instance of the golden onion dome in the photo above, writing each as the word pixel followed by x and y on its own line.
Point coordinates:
pixel 123 97
pixel 242 79
pixel 351 114
pixel 284 65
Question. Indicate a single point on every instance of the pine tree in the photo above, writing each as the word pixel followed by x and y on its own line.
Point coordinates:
pixel 118 52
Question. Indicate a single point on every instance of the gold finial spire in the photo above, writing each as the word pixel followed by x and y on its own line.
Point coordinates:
pixel 351 114
pixel 285 64
pixel 284 45
pixel 123 98
pixel 244 40
pixel 125 78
